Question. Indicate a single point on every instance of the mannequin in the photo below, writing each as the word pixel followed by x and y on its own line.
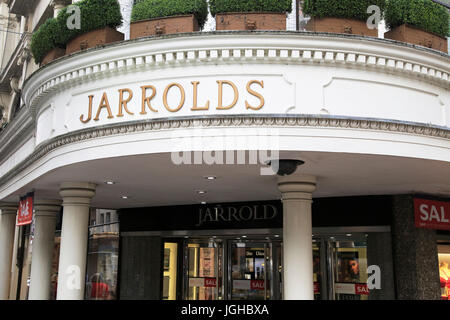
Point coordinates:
pixel 444 280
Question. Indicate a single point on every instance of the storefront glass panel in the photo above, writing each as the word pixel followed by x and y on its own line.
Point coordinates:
pixel 317 272
pixel 170 266
pixel 103 254
pixel 349 263
pixel 25 260
pixel 204 270
pixel 444 270
pixel 249 271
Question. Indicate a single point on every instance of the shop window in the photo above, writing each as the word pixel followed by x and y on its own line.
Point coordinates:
pixel 102 258
pixel 444 270
pixel 55 265
pixel 24 261
pixel 55 258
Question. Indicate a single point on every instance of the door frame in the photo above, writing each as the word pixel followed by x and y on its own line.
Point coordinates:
pixel 270 273
pixel 179 263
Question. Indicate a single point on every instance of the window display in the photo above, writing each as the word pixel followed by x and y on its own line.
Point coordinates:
pixel 317 275
pixel 249 277
pixel 444 271
pixel 204 260
pixel 170 271
pixel 102 259
pixel 350 263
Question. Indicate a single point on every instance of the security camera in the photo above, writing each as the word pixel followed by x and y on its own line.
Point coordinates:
pixel 285 167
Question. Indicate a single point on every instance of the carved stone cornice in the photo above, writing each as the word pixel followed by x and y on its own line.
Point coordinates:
pixel 299 121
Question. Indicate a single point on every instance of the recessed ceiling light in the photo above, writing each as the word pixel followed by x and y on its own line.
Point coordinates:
pixel 348 234
pixel 203 202
pixel 125 197
pixel 201 191
pixel 110 182
pixel 210 177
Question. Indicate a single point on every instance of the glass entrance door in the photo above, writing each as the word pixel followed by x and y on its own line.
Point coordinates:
pixel 203 270
pixel 249 271
pixel 349 269
pixel 254 270
pixel 224 269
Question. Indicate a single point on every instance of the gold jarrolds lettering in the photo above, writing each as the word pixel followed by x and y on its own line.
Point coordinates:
pixel 148 93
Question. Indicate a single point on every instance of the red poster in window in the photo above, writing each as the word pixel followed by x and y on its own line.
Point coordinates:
pixel 210 282
pixel 431 214
pixel 316 287
pixel 257 284
pixel 25 211
pixel 361 289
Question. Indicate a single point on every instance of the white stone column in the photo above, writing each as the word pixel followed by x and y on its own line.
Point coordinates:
pixel 43 244
pixel 58 5
pixel 74 235
pixel 296 193
pixel 8 212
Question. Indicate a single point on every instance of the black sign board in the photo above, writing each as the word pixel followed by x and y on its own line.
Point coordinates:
pixel 238 215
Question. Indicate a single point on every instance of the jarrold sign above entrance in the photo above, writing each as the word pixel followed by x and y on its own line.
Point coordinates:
pixel 236 214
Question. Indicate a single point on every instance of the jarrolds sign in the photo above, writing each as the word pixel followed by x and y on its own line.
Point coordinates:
pixel 237 215
pixel 432 214
pixel 153 99
pixel 136 99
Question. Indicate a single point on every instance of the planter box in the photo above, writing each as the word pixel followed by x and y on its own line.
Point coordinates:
pixel 410 34
pixel 94 38
pixel 339 25
pixel 53 55
pixel 251 21
pixel 160 26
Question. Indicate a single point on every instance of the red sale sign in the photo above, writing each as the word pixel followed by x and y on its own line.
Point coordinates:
pixel 210 282
pixel 257 284
pixel 361 289
pixel 316 287
pixel 25 210
pixel 432 214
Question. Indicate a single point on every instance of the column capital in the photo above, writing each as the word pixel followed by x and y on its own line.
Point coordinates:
pixel 297 186
pixel 77 193
pixel 45 207
pixel 8 207
pixel 60 3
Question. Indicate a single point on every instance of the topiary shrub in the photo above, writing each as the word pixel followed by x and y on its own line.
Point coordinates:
pixel 45 39
pixel 423 14
pixel 223 6
pixel 95 14
pixel 346 9
pixel 148 9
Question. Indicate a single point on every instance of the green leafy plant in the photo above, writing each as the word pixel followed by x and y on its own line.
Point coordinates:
pixel 45 39
pixel 94 14
pixel 148 9
pixel 222 6
pixel 423 14
pixel 53 33
pixel 346 9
